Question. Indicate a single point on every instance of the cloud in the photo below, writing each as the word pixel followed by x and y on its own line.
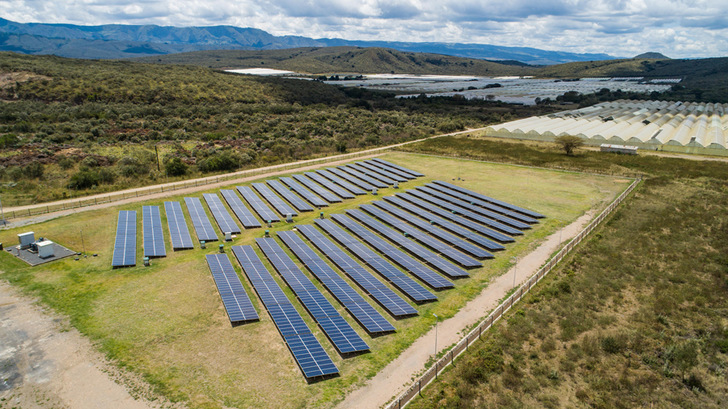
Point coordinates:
pixel 678 28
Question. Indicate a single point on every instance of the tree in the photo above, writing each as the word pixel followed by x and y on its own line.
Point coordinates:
pixel 175 167
pixel 569 143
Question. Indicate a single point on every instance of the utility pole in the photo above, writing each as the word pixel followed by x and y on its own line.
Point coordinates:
pixel 437 319
pixel 157 152
pixel 515 269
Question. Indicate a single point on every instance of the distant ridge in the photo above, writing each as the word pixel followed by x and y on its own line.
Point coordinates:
pixel 651 56
pixel 126 41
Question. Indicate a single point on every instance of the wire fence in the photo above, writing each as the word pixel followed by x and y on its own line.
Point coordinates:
pixel 416 388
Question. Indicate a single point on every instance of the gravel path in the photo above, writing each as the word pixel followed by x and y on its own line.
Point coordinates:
pixel 397 376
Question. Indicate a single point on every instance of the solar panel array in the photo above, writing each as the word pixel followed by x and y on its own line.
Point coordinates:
pixel 178 231
pixel 432 230
pixel 400 168
pixel 341 182
pixel 258 205
pixel 307 351
pixel 365 314
pixel 370 180
pixel 338 190
pixel 292 198
pixel 152 232
pixel 393 171
pixel 379 171
pixel 404 283
pixel 281 207
pixel 424 238
pixel 374 175
pixel 241 211
pixel 473 201
pixel 445 224
pixel 351 179
pixel 312 198
pixel 387 298
pixel 399 257
pixel 491 200
pixel 316 188
pixel 341 334
pixel 220 213
pixel 125 244
pixel 516 224
pixel 200 221
pixel 234 297
pixel 413 248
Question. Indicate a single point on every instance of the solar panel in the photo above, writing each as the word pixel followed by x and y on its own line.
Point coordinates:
pixel 415 267
pixel 258 205
pixel 427 240
pixel 316 188
pixel 275 201
pixel 307 351
pixel 365 314
pixel 339 191
pixel 341 182
pixel 312 198
pixel 498 209
pixel 379 171
pixel 220 213
pixel 455 241
pixel 234 297
pixel 242 212
pixel 423 194
pixel 374 175
pixel 375 288
pixel 350 179
pixel 437 262
pixel 178 231
pixel 491 200
pixel 125 244
pixel 516 224
pixel 292 198
pixel 404 283
pixel 200 221
pixel 400 168
pixel 390 170
pixel 152 232
pixel 341 334
pixel 366 178
pixel 422 204
pixel 445 224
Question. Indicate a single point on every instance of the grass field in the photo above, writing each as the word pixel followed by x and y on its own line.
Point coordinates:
pixel 166 321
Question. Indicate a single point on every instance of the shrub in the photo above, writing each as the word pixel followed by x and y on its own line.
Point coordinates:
pixel 34 170
pixel 66 163
pixel 84 179
pixel 569 143
pixel 175 167
pixel 223 161
pixel 9 140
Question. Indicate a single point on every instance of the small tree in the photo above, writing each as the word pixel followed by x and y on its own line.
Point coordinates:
pixel 569 143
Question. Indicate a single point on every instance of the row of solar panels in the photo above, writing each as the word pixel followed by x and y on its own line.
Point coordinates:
pixel 425 250
pixel 317 188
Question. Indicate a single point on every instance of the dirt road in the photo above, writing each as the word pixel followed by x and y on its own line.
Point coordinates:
pixel 396 376
pixel 44 363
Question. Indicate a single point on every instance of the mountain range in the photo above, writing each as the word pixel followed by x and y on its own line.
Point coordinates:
pixel 125 41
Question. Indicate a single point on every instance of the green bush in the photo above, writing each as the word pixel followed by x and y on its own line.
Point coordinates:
pixel 34 170
pixel 175 167
pixel 218 162
pixel 9 141
pixel 84 179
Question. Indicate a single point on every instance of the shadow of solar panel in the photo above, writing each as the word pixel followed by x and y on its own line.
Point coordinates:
pixel 481 203
pixel 152 232
pixel 291 197
pixel 200 221
pixel 368 179
pixel 312 198
pixel 491 200
pixel 275 201
pixel 310 356
pixel 125 243
pixel 316 188
pixel 257 204
pixel 241 211
pixel 415 267
pixel 220 214
pixel 400 168
pixel 374 175
pixel 235 299
pixel 351 179
pixel 339 191
pixel 341 182
pixel 178 231
pixel 379 171
pixel 390 170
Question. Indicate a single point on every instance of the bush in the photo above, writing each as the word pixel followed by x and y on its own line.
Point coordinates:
pixel 223 161
pixel 34 170
pixel 66 163
pixel 175 167
pixel 9 140
pixel 84 179
pixel 569 143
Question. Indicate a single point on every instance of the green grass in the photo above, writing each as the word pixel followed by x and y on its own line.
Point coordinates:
pixel 166 322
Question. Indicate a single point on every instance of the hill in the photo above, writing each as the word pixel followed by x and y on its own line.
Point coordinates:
pixel 343 60
pixel 124 41
pixel 651 55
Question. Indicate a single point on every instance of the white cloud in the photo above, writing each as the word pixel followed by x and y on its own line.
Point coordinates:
pixel 678 28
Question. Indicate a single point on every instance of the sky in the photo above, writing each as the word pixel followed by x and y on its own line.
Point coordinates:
pixel 623 28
